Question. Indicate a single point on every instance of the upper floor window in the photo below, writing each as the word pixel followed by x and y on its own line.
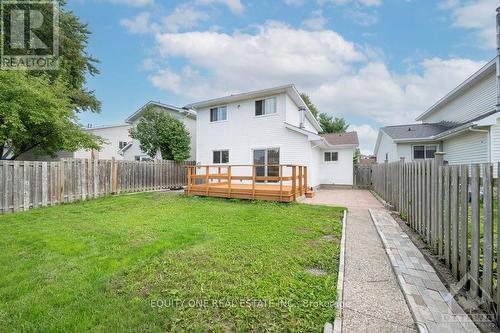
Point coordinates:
pixel 122 144
pixel 265 106
pixel 221 156
pixel 218 114
pixel 422 152
pixel 331 156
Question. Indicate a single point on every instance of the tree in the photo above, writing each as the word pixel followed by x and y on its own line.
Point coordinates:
pixel 331 125
pixel 160 132
pixel 310 104
pixel 37 115
pixel 75 64
pixel 357 156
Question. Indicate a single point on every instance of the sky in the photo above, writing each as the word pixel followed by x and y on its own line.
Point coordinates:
pixel 373 62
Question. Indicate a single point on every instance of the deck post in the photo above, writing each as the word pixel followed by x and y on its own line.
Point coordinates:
pixel 294 182
pixel 207 180
pixel 189 177
pixel 305 179
pixel 281 183
pixel 229 181
pixel 219 175
pixel 301 175
pixel 253 182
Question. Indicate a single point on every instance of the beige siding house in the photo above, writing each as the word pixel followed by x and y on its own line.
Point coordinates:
pixel 465 124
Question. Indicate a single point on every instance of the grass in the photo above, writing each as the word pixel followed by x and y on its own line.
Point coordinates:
pixel 163 262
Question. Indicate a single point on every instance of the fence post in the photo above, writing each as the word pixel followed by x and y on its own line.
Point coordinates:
pixel 400 184
pixel 61 180
pixel 498 244
pixel 114 175
pixel 436 200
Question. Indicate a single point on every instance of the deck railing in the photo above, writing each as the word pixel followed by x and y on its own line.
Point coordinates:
pixel 280 182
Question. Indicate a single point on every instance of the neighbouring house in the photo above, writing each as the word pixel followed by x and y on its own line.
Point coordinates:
pixel 133 152
pixel 367 159
pixel 116 137
pixel 272 126
pixel 464 125
pixel 119 145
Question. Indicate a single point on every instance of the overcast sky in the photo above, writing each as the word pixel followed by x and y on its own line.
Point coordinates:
pixel 373 62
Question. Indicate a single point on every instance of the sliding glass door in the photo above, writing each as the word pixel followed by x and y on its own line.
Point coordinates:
pixel 267 160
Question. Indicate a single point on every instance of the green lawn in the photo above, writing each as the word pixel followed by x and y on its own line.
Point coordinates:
pixel 164 262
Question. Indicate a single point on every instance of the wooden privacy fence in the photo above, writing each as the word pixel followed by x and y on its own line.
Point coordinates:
pixel 454 209
pixel 362 176
pixel 29 184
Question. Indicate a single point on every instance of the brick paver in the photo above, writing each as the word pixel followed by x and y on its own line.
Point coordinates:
pixel 432 306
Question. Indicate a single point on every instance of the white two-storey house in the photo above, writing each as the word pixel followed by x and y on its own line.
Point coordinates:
pixel 272 126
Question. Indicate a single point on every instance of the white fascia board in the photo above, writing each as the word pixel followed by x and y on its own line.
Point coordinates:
pixel 379 139
pixel 239 97
pixel 186 112
pixel 310 135
pixel 300 102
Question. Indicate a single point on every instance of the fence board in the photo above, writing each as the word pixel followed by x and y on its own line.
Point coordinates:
pixel 475 238
pixel 454 211
pixel 464 219
pixel 487 278
pixel 446 215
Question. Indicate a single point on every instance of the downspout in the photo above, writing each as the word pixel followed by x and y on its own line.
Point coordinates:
pixel 498 59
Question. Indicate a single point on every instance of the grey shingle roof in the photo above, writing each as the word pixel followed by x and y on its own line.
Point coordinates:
pixel 349 138
pixel 416 131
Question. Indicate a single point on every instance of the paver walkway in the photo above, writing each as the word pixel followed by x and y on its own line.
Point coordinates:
pixel 388 284
pixel 373 301
pixel 432 305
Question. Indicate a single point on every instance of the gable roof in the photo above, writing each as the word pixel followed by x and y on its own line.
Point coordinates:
pixel 137 114
pixel 337 139
pixel 433 132
pixel 289 89
pixel 486 70
pixel 415 131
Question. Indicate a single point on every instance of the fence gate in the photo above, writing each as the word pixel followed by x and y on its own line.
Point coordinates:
pixel 363 176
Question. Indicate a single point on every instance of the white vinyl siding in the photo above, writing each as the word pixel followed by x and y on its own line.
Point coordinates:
pixel 336 173
pixel 387 147
pixel 495 142
pixel 476 101
pixel 471 147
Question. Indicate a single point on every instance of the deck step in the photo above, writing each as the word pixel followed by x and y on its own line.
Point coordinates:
pixel 310 194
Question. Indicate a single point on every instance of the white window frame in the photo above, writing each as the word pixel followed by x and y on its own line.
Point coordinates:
pixel 143 158
pixel 331 156
pixel 218 112
pixel 119 144
pixel 220 152
pixel 266 114
pixel 425 151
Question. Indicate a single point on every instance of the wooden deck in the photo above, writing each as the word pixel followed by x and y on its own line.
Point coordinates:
pixel 219 181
